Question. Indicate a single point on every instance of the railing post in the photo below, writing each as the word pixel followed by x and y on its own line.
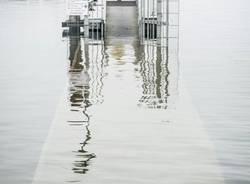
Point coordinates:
pixel 159 21
pixel 86 27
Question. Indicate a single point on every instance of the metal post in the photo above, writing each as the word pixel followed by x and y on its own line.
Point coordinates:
pixel 92 26
pixel 159 21
pixel 142 21
pixel 86 27
pixel 102 19
pixel 74 30
pixel 153 22
pixel 97 25
pixel 148 19
pixel 167 22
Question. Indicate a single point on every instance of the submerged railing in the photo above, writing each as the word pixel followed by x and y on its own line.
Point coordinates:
pixel 86 74
pixel 157 56
pixel 158 22
pixel 86 18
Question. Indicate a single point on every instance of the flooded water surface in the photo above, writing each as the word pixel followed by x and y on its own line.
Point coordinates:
pixel 124 109
pixel 33 61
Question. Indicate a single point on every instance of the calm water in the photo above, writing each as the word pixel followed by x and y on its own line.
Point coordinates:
pixel 215 57
pixel 122 115
pixel 33 61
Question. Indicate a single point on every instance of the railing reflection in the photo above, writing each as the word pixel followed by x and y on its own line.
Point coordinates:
pixel 159 38
pixel 86 72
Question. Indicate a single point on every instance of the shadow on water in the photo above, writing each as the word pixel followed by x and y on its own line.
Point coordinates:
pixel 85 89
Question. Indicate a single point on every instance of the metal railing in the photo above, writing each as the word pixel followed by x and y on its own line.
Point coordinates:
pixel 86 18
pixel 158 20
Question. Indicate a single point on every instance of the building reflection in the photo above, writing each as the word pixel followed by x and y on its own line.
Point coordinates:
pixel 86 72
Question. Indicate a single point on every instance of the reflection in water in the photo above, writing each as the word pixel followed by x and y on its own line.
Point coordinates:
pixel 154 72
pixel 159 58
pixel 79 81
pixel 159 72
pixel 118 51
pixel 81 165
pixel 85 89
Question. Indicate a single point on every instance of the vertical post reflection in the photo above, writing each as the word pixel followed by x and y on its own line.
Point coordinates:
pixel 155 76
pixel 86 73
pixel 159 60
